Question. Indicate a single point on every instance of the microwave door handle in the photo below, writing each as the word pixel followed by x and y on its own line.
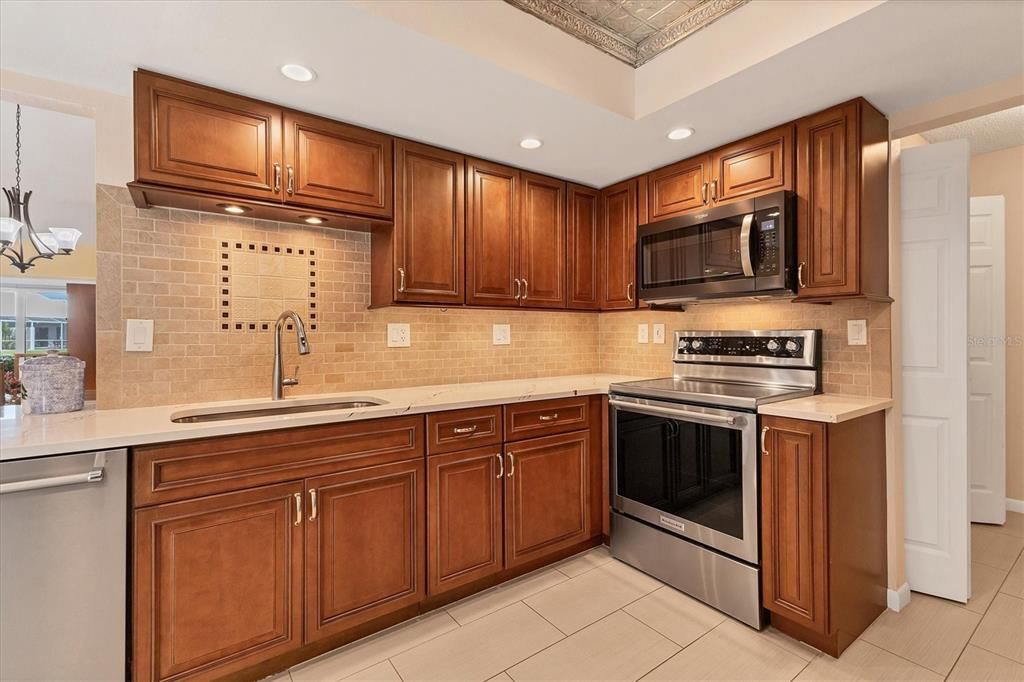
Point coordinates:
pixel 745 239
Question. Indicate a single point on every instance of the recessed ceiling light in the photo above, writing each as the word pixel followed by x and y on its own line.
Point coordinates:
pixel 234 208
pixel 313 220
pixel 530 143
pixel 298 72
pixel 680 133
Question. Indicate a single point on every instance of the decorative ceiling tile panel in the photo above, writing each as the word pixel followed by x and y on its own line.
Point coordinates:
pixel 633 31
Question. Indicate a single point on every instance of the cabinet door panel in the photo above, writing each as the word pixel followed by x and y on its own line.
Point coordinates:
pixel 492 234
pixel 429 224
pixel 756 165
pixel 618 247
pixel 582 248
pixel 542 241
pixel 199 138
pixel 218 583
pixel 827 202
pixel 794 510
pixel 677 189
pixel 364 547
pixel 547 496
pixel 464 508
pixel 336 166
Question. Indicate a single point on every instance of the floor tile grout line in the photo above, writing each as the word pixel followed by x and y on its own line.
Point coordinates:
pixel 901 657
pixel 996 653
pixel 564 633
pixel 682 650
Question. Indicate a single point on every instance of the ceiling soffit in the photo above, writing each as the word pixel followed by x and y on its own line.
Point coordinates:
pixel 632 31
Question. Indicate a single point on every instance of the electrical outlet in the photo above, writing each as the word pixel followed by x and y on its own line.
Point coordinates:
pixel 857 332
pixel 399 336
pixel 659 333
pixel 641 333
pixel 501 334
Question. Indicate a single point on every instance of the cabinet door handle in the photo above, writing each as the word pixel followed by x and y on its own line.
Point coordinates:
pixel 291 179
pixel 526 288
pixel 501 466
pixel 312 504
pixel 704 193
pixel 298 509
pixel 277 178
pixel 629 292
pixel 800 275
pixel 548 417
pixel 401 280
pixel 764 448
pixel 518 284
pixel 511 465
pixel 464 430
pixel 714 190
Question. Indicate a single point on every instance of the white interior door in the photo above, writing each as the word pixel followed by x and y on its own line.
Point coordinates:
pixel 986 356
pixel 934 234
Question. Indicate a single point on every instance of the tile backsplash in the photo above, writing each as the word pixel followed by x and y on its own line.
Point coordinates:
pixel 214 285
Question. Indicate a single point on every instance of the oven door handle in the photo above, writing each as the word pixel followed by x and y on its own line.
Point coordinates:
pixel 672 412
pixel 745 236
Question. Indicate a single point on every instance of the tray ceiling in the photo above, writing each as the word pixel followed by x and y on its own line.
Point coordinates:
pixel 633 31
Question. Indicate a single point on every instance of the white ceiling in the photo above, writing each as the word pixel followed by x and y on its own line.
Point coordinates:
pixel 990 133
pixel 377 73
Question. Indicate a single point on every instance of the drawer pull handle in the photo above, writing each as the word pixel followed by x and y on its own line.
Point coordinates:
pixel 501 466
pixel 298 509
pixel 511 465
pixel 312 504
pixel 549 417
pixel 464 430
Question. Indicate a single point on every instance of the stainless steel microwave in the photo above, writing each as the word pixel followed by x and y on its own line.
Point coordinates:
pixel 745 248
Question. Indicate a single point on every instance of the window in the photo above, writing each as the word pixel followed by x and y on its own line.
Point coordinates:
pixel 33 319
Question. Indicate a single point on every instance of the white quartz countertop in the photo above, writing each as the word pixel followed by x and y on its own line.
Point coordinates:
pixel 826 407
pixel 36 435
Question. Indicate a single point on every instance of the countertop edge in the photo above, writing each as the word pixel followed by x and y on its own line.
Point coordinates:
pixel 818 408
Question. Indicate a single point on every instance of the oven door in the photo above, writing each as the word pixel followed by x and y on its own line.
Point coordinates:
pixel 688 469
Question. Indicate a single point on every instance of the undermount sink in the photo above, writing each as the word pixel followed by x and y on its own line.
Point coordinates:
pixel 265 410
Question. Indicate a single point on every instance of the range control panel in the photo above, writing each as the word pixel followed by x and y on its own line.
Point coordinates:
pixel 746 348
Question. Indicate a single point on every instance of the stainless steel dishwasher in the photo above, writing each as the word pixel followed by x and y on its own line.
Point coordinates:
pixel 63 539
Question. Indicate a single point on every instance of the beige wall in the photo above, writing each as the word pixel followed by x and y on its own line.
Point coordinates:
pixel 1002 173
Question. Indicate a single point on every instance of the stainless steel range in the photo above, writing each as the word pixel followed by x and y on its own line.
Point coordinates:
pixel 685 460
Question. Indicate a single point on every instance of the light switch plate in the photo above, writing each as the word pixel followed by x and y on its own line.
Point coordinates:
pixel 501 334
pixel 138 336
pixel 641 333
pixel 857 332
pixel 659 333
pixel 399 336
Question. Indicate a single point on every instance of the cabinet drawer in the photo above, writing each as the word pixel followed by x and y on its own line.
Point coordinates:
pixel 546 417
pixel 461 429
pixel 187 469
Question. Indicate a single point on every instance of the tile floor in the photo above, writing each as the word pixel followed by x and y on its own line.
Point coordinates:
pixel 594 618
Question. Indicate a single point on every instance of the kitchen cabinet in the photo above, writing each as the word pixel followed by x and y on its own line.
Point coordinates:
pixel 365 535
pixel 542 242
pixel 466 518
pixel 753 166
pixel 823 527
pixel 582 248
pixel 492 234
pixel 842 204
pixel 679 188
pixel 620 216
pixel 217 583
pixel 421 260
pixel 454 430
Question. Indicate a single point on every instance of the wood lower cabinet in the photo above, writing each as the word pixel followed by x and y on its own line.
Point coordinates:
pixel 217 583
pixel 619 219
pixel 542 242
pixel 422 259
pixel 842 206
pixel 466 520
pixel 365 532
pixel 582 248
pixel 492 234
pixel 823 527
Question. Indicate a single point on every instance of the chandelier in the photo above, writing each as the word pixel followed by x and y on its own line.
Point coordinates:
pixel 17 235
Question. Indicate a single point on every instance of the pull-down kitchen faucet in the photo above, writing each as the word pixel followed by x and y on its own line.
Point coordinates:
pixel 280 381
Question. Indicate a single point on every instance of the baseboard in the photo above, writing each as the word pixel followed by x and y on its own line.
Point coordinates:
pixel 1015 505
pixel 898 599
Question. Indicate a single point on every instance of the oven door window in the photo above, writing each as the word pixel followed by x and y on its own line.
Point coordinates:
pixel 707 252
pixel 691 471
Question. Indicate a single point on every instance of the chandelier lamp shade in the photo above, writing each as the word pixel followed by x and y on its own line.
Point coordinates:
pixel 19 241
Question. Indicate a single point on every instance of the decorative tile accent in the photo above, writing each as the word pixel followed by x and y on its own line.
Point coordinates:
pixel 261 280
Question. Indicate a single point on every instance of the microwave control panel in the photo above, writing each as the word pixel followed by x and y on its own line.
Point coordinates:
pixel 768 246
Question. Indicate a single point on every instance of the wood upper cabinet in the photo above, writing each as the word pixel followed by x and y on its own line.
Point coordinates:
pixel 582 248
pixel 217 583
pixel 842 203
pixel 365 540
pixel 336 166
pixel 679 188
pixel 195 137
pixel 619 220
pixel 753 166
pixel 547 495
pixel 542 242
pixel 492 234
pixel 422 259
pixel 465 517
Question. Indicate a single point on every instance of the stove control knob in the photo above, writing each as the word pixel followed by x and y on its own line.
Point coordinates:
pixel 697 344
pixel 773 345
pixel 684 344
pixel 792 346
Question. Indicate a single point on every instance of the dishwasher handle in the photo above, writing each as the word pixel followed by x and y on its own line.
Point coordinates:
pixel 93 476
